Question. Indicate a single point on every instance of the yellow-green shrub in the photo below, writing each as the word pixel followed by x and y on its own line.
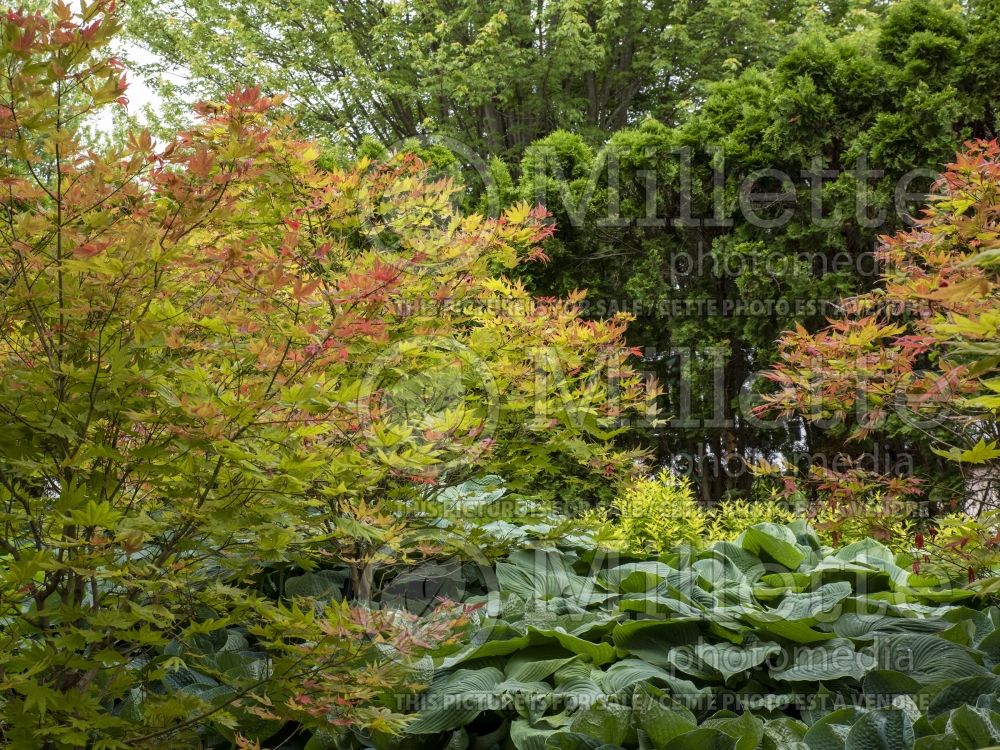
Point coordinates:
pixel 730 518
pixel 659 513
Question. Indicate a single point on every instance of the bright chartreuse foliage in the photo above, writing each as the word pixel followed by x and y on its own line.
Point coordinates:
pixel 659 513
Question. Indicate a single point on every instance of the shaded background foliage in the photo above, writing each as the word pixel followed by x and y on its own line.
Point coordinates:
pixel 680 98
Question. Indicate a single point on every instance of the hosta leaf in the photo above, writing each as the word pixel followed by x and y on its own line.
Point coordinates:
pixel 610 723
pixel 659 716
pixel 740 568
pixel 652 639
pixel 626 673
pixel 974 727
pixel 710 661
pixel 830 732
pixel 497 639
pixel 457 700
pixel 887 683
pixel 925 658
pixel 747 730
pixel 703 738
pixel 526 737
pixel 963 691
pixel 596 653
pixel 885 729
pixel 796 632
pixel 654 604
pixel 571 741
pixel 768 540
pixel 784 734
pixel 811 606
pixel 536 663
pixel 635 577
pixel 831 661
pixel 865 627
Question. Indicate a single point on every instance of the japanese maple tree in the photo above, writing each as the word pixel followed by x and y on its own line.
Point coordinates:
pixel 218 354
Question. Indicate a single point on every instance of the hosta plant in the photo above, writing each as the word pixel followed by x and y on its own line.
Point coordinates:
pixel 767 641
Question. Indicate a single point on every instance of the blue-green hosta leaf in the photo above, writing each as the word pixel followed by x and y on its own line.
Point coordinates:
pixel 784 734
pixel 497 638
pixel 863 627
pixel 535 579
pixel 983 624
pixel 936 742
pixel 961 692
pixel 579 692
pixel 925 658
pixel 516 687
pixel 726 581
pixel 547 575
pixel 524 583
pixel 635 577
pixel 818 605
pixel 652 639
pixel 577 670
pixel 536 663
pixel 830 732
pixel 974 727
pixel 945 595
pixel 749 565
pixel 596 653
pixel 703 738
pixel 610 723
pixel 456 700
pixel 473 494
pixel 628 672
pixel 746 729
pixel 571 741
pixel 861 576
pixel 990 646
pixel 796 632
pixel 526 737
pixel 768 540
pixel 884 683
pixel 884 729
pixel 865 551
pixel 876 555
pixel 659 716
pixel 805 535
pixel 833 660
pixel 722 660
pixel 654 604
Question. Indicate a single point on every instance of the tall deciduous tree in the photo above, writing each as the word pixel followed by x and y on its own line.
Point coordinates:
pixel 495 75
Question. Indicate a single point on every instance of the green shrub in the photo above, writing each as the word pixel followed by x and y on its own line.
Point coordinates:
pixel 659 513
pixel 730 518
